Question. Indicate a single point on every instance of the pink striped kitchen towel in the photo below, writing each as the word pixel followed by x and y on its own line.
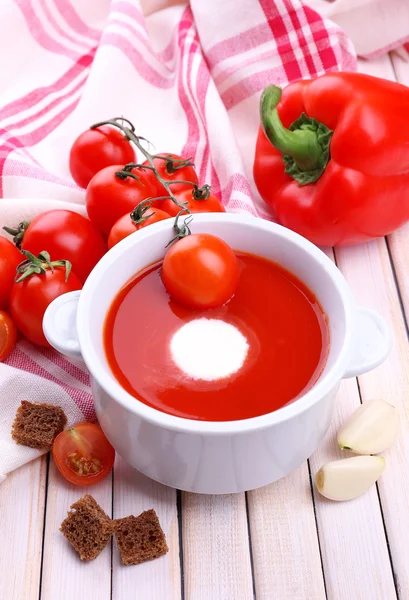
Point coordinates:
pixel 188 76
pixel 374 26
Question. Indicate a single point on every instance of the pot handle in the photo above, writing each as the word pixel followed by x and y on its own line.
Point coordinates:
pixel 372 342
pixel 60 324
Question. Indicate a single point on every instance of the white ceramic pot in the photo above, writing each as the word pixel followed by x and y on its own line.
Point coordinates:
pixel 217 457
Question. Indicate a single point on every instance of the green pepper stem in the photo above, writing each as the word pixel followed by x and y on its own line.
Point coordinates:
pixel 305 144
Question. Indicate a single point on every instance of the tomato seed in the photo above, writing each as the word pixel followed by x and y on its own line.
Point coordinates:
pixel 83 466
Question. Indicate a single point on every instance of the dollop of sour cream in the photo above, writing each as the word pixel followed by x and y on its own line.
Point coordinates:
pixel 209 349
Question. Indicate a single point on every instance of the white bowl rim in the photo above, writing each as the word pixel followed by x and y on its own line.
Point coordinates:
pixel 154 416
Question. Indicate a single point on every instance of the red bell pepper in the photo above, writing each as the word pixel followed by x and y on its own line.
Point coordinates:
pixel 332 157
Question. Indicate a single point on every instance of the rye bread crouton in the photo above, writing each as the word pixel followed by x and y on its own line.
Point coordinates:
pixel 87 528
pixel 36 425
pixel 140 538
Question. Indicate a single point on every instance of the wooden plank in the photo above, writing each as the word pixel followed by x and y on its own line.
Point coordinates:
pixel 134 493
pixel 22 497
pixel 65 576
pixel 368 271
pixel 216 554
pixel 352 536
pixel 399 241
pixel 285 549
pixel 400 65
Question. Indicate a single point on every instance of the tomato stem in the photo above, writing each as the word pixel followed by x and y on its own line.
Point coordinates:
pixel 181 230
pixel 172 165
pixel 18 233
pixel 126 172
pixel 138 215
pixel 38 265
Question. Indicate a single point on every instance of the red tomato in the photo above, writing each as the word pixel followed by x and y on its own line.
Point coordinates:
pixel 8 334
pixel 66 235
pixel 96 149
pixel 83 454
pixel 200 271
pixel 108 197
pixel 170 171
pixel 10 258
pixel 30 298
pixel 211 204
pixel 125 225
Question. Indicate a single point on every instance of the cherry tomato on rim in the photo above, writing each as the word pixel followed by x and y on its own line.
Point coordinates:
pixel 30 298
pixel 171 168
pixel 187 196
pixel 200 271
pixel 83 454
pixel 8 335
pixel 109 197
pixel 96 149
pixel 10 258
pixel 65 235
pixel 126 225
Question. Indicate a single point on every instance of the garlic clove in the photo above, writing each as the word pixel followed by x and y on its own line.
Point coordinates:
pixel 348 478
pixel 370 429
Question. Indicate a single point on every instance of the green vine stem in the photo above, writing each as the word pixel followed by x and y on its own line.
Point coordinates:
pixel 129 132
pixel 18 234
pixel 181 230
pixel 127 172
pixel 138 215
pixel 38 265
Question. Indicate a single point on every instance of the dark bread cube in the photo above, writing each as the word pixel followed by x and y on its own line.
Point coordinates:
pixel 140 538
pixel 87 528
pixel 36 425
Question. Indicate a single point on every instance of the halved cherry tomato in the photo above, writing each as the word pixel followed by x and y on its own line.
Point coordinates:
pixel 126 225
pixel 83 454
pixel 200 271
pixel 8 334
pixel 187 196
pixel 96 149
pixel 171 168
pixel 10 258
pixel 67 235
pixel 109 197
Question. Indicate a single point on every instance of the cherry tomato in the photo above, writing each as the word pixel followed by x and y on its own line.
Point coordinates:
pixel 10 258
pixel 125 225
pixel 8 334
pixel 210 204
pixel 83 454
pixel 66 235
pixel 30 298
pixel 170 170
pixel 96 149
pixel 108 197
pixel 200 271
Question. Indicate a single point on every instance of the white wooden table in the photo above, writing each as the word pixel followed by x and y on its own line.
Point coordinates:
pixel 281 542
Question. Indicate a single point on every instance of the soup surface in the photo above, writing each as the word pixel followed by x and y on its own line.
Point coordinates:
pixel 261 350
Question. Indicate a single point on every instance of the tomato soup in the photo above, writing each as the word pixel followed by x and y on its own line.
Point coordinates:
pixel 261 350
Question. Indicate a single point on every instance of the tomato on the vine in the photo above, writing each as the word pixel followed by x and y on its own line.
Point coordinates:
pixel 195 200
pixel 96 149
pixel 83 454
pixel 8 335
pixel 10 258
pixel 142 216
pixel 30 297
pixel 109 197
pixel 171 167
pixel 200 271
pixel 65 235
